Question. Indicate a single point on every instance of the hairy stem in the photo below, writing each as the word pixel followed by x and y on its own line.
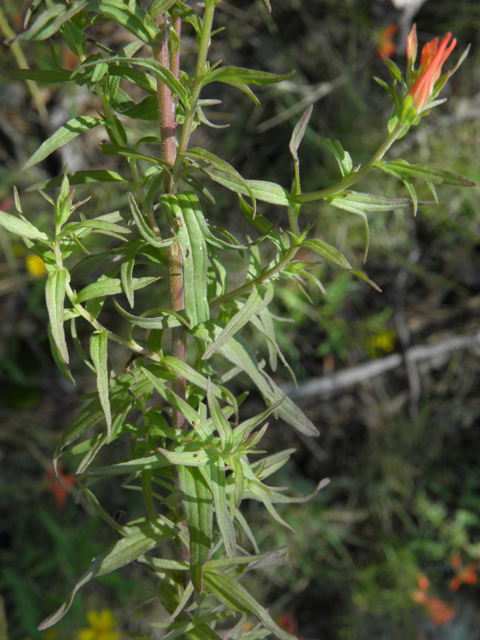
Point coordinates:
pixel 358 175
pixel 197 84
pixel 167 122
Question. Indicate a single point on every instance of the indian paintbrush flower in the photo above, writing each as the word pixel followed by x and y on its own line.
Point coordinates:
pixel 425 83
pixel 431 61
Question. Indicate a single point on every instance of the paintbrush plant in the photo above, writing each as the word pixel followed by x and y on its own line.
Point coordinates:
pixel 191 454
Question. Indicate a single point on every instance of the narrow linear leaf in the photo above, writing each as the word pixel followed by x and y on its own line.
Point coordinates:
pixel 143 227
pixel 222 514
pixel 112 287
pixel 198 458
pixel 180 209
pixel 98 354
pixel 219 420
pixel 23 228
pixel 234 596
pixel 168 320
pixel 161 73
pixel 198 154
pixel 120 554
pixel 299 132
pixel 67 132
pixel 259 298
pixel 198 507
pixel 238 353
pixel 40 75
pixel 199 380
pixel 155 461
pixel 405 171
pixel 55 299
pixel 239 75
pixel 262 190
pixel 58 358
pixel 193 417
pixel 81 177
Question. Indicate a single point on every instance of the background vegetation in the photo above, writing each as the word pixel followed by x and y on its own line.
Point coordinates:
pixel 389 549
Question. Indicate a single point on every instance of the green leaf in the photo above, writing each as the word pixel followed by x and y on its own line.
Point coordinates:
pixel 55 299
pixel 246 427
pixel 115 150
pixel 57 357
pixel 193 417
pixel 81 177
pixel 197 504
pixel 157 7
pixel 180 209
pixel 98 354
pixel 132 17
pixel 93 502
pixel 198 154
pixel 126 273
pixel 50 21
pixel 155 461
pixel 186 371
pixel 327 251
pixel 235 597
pixel 23 228
pixel 146 537
pixel 111 287
pixel 67 132
pixel 40 75
pixel 216 475
pixel 262 190
pixel 143 227
pixel 355 202
pixel 161 73
pixel 168 320
pixel 196 458
pixel 220 422
pixel 238 75
pixel 237 351
pixel 93 412
pixel 405 171
pixel 258 299
pixel 84 227
pixel 299 132
pixel 341 156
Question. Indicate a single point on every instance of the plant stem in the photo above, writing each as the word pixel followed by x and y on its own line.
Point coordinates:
pixel 197 85
pixel 167 122
pixel 353 177
pixel 131 344
pixel 247 287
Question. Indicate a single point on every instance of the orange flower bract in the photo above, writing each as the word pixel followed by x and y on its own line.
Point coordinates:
pixel 432 58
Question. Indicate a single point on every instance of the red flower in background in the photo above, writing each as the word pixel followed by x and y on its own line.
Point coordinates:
pixel 59 490
pixel 466 575
pixel 385 46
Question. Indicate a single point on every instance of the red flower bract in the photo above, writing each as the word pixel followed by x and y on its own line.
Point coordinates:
pixel 432 58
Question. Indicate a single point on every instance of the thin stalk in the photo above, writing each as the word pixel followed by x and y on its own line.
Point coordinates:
pixel 98 327
pixel 197 85
pixel 167 123
pixel 247 287
pixel 354 177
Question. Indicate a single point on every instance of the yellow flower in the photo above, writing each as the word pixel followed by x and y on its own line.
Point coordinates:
pixel 35 265
pixel 101 626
